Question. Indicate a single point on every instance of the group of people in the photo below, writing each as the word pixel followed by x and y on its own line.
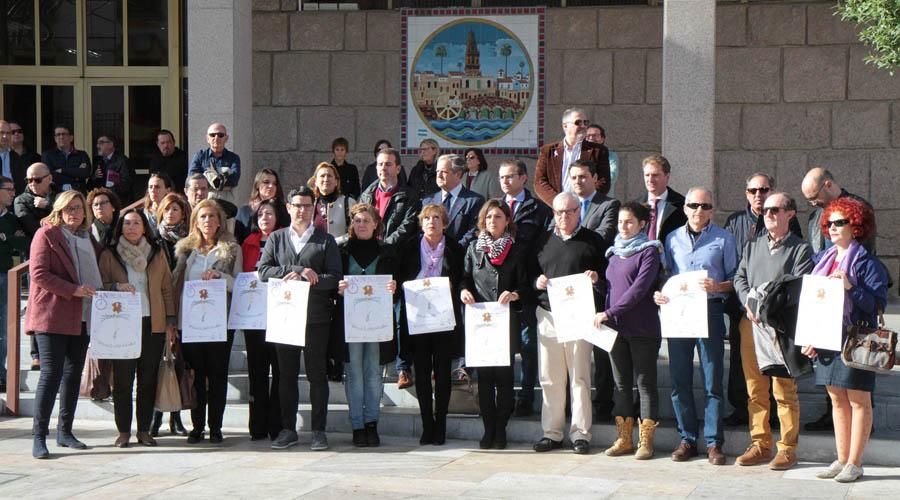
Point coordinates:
pixel 496 242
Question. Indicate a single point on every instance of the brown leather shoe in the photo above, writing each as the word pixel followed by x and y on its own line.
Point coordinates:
pixel 145 439
pixel 716 457
pixel 404 381
pixel 783 460
pixel 122 440
pixel 754 456
pixel 684 452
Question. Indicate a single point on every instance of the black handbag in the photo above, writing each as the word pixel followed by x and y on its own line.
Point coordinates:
pixel 870 349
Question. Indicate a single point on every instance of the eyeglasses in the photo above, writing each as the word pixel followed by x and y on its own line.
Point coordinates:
pixel 838 223
pixel 301 206
pixel 15 131
pixel 773 210
pixel 814 200
pixel 753 191
pixel 36 180
pixel 695 206
pixel 9 189
pixel 77 209
pixel 100 204
pixel 216 134
pixel 565 211
pixel 579 123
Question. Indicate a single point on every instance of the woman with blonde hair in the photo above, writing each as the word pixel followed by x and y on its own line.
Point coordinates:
pixel 64 277
pixel 332 210
pixel 208 252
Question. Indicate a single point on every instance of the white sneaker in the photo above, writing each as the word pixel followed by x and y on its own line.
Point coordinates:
pixel 849 474
pixel 831 471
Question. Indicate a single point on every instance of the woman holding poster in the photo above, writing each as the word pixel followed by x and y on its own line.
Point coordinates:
pixel 634 264
pixel 136 264
pixel 265 413
pixel 428 256
pixel 64 277
pixel 364 254
pixel 208 252
pixel 847 222
pixel 494 271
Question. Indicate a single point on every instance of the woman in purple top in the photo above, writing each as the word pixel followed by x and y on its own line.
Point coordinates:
pixel 634 263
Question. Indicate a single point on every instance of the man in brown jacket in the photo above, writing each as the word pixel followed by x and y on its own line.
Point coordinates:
pixel 551 173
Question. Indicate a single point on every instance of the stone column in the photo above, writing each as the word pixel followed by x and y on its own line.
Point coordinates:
pixel 219 41
pixel 689 91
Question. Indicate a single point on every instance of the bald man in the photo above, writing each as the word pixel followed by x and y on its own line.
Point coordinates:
pixel 221 167
pixel 820 188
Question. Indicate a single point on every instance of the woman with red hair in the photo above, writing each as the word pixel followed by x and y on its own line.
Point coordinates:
pixel 846 222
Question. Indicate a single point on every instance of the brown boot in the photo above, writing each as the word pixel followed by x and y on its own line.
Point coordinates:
pixel 624 444
pixel 645 441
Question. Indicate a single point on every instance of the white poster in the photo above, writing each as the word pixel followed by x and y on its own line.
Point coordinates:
pixel 487 334
pixel 820 315
pixel 429 307
pixel 116 325
pixel 286 317
pixel 204 311
pixel 572 305
pixel 685 315
pixel 603 337
pixel 248 303
pixel 368 309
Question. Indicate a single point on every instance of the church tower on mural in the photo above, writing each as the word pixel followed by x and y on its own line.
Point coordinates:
pixel 473 64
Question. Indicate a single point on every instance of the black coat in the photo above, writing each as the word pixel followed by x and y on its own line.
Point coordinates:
pixel 387 264
pixel 400 218
pixel 453 341
pixel 19 168
pixel 486 282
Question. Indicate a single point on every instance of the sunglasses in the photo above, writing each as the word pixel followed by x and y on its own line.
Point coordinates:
pixel 773 210
pixel 36 180
pixel 695 206
pixel 579 123
pixel 837 223
pixel 753 191
pixel 217 134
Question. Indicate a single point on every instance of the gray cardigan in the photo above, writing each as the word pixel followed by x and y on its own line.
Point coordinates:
pixel 760 265
pixel 320 253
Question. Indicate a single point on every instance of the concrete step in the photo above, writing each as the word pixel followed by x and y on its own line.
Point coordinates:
pixel 405 422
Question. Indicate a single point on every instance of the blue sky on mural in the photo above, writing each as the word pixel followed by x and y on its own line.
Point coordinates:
pixel 489 39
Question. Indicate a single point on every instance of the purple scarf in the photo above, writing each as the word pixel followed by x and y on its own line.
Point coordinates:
pixel 847 265
pixel 431 260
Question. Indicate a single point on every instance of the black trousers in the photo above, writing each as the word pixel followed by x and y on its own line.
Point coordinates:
pixel 603 382
pixel 315 359
pixel 635 358
pixel 147 368
pixel 737 386
pixel 62 360
pixel 495 396
pixel 430 356
pixel 210 363
pixel 265 410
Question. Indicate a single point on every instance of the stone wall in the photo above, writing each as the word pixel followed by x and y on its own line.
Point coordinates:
pixel 792 92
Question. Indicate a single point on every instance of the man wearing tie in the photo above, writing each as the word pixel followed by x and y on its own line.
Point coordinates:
pixel 461 203
pixel 666 204
pixel 532 217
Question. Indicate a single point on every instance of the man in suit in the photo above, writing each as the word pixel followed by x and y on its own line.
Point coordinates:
pixel 666 204
pixel 532 217
pixel 461 203
pixel 552 170
pixel 22 158
pixel 600 214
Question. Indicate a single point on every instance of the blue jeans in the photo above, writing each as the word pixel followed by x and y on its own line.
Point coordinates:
pixel 365 383
pixel 3 285
pixel 712 364
pixel 404 358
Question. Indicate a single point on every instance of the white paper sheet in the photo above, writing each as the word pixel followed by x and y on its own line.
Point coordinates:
pixel 603 337
pixel 429 306
pixel 287 304
pixel 572 305
pixel 116 325
pixel 368 309
pixel 203 311
pixel 685 315
pixel 248 303
pixel 487 334
pixel 821 313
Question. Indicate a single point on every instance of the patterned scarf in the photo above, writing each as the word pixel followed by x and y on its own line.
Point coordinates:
pixel 626 248
pixel 172 233
pixel 496 250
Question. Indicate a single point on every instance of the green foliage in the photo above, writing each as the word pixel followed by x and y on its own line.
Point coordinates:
pixel 880 22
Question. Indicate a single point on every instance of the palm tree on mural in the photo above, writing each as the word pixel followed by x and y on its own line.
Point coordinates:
pixel 441 51
pixel 522 67
pixel 506 51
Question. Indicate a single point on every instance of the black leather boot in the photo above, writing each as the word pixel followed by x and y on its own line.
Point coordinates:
pixel 175 425
pixel 155 423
